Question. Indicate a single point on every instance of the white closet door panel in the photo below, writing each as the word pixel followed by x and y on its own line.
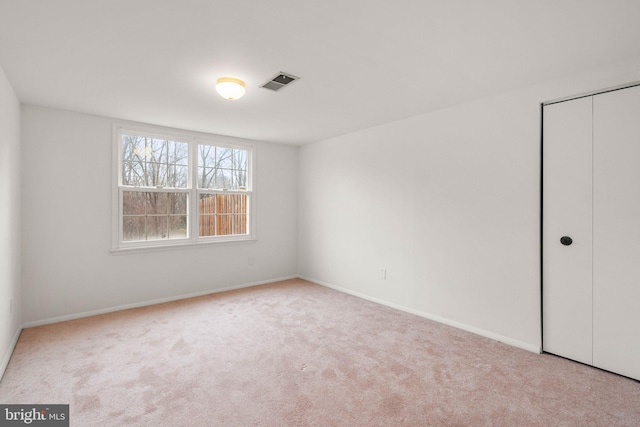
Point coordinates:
pixel 616 216
pixel 567 209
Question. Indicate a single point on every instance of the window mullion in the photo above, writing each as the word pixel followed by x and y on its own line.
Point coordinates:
pixel 193 186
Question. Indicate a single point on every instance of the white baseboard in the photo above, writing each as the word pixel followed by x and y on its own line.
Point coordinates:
pixel 7 355
pixel 487 334
pixel 147 303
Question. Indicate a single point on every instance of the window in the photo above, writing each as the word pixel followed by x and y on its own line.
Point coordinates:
pixel 176 188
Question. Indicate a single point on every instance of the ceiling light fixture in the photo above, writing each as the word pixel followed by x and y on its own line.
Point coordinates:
pixel 230 88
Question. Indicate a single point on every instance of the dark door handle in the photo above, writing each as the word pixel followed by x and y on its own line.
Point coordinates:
pixel 566 240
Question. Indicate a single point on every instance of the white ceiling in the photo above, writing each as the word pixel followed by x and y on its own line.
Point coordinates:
pixel 361 62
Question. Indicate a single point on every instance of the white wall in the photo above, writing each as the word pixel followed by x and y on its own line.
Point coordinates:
pixel 9 220
pixel 66 227
pixel 448 202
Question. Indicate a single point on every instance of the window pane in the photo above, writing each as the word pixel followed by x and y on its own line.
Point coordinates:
pixel 224 179
pixel 133 173
pixel 132 148
pixel 222 214
pixel 223 206
pixel 207 204
pixel 206 156
pixel 206 177
pixel 156 174
pixel 151 215
pixel 206 209
pixel 223 225
pixel 156 150
pixel 239 203
pixel 231 203
pixel 157 203
pixel 240 157
pixel 178 227
pixel 133 228
pixel 240 167
pixel 177 176
pixel 178 153
pixel 207 225
pixel 222 167
pixel 239 224
pixel 224 157
pixel 133 202
pixel 152 162
pixel 178 203
pixel 156 227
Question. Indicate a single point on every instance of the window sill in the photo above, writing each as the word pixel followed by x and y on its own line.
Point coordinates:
pixel 179 246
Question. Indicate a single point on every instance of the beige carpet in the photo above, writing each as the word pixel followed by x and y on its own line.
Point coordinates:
pixel 294 354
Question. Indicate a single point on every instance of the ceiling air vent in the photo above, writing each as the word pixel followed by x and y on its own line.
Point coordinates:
pixel 279 81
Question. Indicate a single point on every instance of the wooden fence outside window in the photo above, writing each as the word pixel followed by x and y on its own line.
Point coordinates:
pixel 222 214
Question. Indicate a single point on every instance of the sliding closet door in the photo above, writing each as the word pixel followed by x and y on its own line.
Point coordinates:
pixel 616 232
pixel 567 203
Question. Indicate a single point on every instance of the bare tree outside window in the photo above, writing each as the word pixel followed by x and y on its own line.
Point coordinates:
pixel 222 168
pixel 160 164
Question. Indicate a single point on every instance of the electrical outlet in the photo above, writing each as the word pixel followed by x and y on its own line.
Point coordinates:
pixel 383 273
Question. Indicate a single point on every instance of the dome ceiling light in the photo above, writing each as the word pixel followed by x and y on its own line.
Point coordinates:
pixel 230 88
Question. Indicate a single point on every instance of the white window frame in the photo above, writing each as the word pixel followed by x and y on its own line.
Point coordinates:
pixel 194 139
